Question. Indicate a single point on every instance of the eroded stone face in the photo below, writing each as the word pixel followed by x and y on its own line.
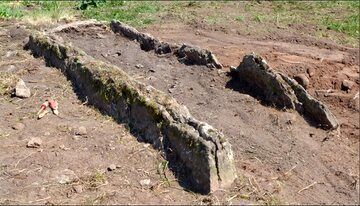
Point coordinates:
pixel 156 117
pixel 276 88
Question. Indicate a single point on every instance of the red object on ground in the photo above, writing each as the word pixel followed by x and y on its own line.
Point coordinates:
pixel 43 106
pixel 52 104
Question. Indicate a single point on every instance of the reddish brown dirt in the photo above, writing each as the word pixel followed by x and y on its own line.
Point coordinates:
pixel 276 152
pixel 31 175
pixel 332 65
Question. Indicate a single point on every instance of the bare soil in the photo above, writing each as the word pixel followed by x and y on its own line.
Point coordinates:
pixel 279 157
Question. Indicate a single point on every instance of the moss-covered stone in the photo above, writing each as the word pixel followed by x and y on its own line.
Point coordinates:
pixel 153 114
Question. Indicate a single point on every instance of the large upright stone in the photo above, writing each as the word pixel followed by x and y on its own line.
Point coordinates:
pixel 283 91
pixel 21 90
pixel 157 117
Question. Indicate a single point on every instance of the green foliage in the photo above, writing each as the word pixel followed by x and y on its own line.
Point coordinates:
pixel 239 18
pixel 8 11
pixel 133 13
pixel 84 4
pixel 350 25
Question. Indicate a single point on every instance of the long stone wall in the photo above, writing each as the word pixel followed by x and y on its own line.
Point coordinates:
pixel 186 53
pixel 283 91
pixel 157 117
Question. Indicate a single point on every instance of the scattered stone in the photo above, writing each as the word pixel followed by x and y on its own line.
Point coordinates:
pixel 302 80
pixel 75 137
pixel 172 88
pixel 354 103
pixel 81 131
pixel 66 176
pixel 18 126
pixel 347 85
pixel 139 66
pixel 10 53
pixel 194 55
pixel 21 90
pixel 78 188
pixel 101 36
pixel 10 68
pixel 145 182
pixel 62 147
pixel 111 167
pixel 311 72
pixel 34 142
pixel 232 69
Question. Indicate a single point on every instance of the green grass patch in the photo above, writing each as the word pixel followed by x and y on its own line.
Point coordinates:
pixel 239 18
pixel 133 13
pixel 8 11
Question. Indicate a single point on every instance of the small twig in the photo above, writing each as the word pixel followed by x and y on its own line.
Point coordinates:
pixel 356 95
pixel 24 159
pixel 255 189
pixel 39 200
pixel 133 153
pixel 231 198
pixel 258 160
pixel 286 173
pixel 307 187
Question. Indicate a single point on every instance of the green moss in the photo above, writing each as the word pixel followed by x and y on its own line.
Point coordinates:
pixel 55 49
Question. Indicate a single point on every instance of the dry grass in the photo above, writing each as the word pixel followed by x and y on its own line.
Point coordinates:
pixel 7 82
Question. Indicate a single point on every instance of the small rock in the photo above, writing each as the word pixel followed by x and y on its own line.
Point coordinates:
pixel 21 90
pixel 145 182
pixel 311 72
pixel 354 104
pixel 78 188
pixel 81 131
pixel 347 85
pixel 75 137
pixel 62 147
pixel 18 126
pixel 101 36
pixel 302 80
pixel 34 142
pixel 139 66
pixel 10 68
pixel 10 53
pixel 111 167
pixel 66 176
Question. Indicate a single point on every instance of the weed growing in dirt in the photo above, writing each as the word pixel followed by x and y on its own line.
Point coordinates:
pixel 7 82
pixel 97 179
